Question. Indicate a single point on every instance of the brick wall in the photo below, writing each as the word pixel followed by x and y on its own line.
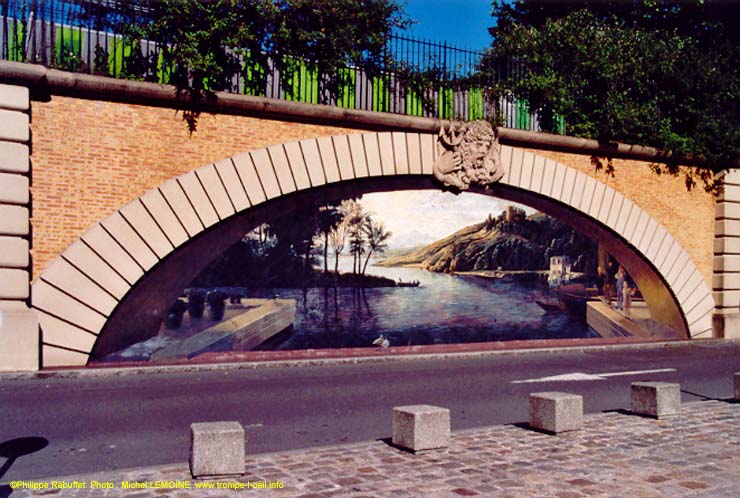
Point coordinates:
pixel 688 216
pixel 92 157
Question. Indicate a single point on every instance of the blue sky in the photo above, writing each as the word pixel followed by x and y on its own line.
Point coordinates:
pixel 424 216
pixel 463 23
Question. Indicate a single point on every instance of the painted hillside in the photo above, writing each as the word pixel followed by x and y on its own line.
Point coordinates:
pixel 510 241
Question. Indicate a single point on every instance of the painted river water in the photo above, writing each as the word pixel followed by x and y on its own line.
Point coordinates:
pixel 443 309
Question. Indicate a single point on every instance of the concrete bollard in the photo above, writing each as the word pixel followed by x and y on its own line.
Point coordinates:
pixel 421 427
pixel 737 386
pixel 656 399
pixel 555 412
pixel 216 449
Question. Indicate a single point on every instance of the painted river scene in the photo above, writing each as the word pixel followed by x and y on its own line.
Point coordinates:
pixel 407 268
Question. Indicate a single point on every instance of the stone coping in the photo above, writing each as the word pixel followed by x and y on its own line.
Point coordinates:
pixel 44 82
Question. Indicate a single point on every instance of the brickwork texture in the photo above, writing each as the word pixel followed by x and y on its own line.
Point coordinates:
pixel 92 157
pixel 688 216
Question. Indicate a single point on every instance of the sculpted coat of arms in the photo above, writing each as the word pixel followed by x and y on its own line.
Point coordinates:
pixel 472 156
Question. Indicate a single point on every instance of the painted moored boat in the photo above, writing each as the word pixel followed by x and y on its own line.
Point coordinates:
pixel 413 283
pixel 549 306
pixel 573 298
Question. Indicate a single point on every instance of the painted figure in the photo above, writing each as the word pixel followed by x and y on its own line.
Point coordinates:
pixel 620 287
pixel 609 284
pixel 627 292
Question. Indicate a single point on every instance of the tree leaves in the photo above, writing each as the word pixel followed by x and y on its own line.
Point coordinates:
pixel 207 46
pixel 646 72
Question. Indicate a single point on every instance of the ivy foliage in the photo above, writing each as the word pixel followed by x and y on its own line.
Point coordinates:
pixel 660 74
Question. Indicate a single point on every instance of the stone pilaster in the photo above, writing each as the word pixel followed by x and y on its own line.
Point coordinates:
pixel 19 329
pixel 726 265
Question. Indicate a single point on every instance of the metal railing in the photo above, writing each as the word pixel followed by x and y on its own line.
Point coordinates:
pixel 63 34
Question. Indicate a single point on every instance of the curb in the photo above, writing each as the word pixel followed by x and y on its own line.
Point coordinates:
pixel 234 366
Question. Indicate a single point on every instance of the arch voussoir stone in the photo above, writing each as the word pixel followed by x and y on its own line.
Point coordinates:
pixel 313 162
pixel 125 236
pixel 266 173
pixel 356 146
pixel 527 171
pixel 166 219
pixel 113 254
pixel 344 157
pixel 176 198
pixel 59 333
pixel 57 303
pixel 297 165
pixel 558 180
pixel 663 247
pixel 328 156
pixel 55 356
pixel 400 154
pixel 550 169
pixel 247 173
pixel 605 206
pixel 387 158
pixel 597 202
pixel 429 153
pixel 215 191
pixel 145 226
pixel 617 206
pixel 281 168
pixel 234 190
pixel 413 151
pixel 91 264
pixel 85 286
pixel 537 183
pixel 700 317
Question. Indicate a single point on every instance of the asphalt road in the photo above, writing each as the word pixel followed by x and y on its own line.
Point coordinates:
pixel 113 422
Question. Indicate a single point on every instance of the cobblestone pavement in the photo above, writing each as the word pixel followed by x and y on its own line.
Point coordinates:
pixel 616 454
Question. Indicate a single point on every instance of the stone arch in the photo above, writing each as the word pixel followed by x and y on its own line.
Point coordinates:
pixel 98 288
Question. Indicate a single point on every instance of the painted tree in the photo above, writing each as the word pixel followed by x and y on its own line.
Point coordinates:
pixel 648 72
pixel 356 249
pixel 337 239
pixel 376 236
pixel 291 255
pixel 263 237
pixel 354 219
pixel 328 218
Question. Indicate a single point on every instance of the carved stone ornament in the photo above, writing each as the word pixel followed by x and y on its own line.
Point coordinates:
pixel 472 156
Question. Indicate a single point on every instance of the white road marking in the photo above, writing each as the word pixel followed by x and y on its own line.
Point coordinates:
pixel 563 377
pixel 636 372
pixel 577 376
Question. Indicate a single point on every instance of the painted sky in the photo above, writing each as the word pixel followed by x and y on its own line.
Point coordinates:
pixel 463 23
pixel 420 217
